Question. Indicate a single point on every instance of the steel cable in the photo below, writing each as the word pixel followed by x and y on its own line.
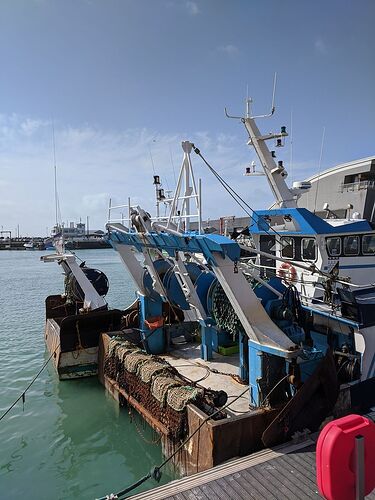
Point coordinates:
pixel 22 396
pixel 237 198
pixel 156 471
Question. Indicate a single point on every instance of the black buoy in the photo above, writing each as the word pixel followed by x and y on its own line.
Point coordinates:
pixel 97 278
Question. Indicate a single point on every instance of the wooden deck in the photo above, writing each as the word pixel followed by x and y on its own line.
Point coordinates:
pixel 286 473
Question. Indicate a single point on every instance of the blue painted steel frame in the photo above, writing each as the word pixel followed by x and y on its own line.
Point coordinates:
pixel 307 223
pixel 189 242
pixel 207 245
pixel 255 372
pixel 206 342
pixel 256 352
pixel 154 340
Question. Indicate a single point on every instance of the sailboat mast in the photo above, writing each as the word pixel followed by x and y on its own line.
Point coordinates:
pixel 55 196
pixel 55 173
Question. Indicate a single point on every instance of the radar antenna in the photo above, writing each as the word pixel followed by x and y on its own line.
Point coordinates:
pixel 275 172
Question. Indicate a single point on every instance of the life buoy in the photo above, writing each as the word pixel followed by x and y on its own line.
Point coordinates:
pixel 154 323
pixel 287 272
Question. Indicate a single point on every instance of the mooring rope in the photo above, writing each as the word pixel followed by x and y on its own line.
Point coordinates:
pixel 155 472
pixel 23 394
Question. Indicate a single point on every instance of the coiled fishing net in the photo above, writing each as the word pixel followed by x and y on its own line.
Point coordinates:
pixel 133 360
pixel 179 397
pixel 151 368
pixel 120 348
pixel 160 386
pixel 153 383
pixel 223 312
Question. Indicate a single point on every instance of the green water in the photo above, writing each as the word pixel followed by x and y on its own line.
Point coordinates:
pixel 71 440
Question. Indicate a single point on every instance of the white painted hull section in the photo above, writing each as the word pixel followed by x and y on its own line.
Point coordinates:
pixel 70 365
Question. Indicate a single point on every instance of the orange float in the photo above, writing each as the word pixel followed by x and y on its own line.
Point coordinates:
pixel 154 323
pixel 287 272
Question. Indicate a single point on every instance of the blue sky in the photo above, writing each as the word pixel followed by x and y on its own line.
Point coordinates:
pixel 121 78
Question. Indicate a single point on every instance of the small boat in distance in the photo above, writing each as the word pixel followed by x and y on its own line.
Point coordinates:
pixel 29 245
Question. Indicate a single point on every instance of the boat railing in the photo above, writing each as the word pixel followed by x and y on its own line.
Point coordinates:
pixel 122 214
pixel 119 213
pixel 356 186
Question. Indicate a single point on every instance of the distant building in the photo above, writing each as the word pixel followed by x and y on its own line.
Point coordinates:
pixel 346 185
pixel 76 231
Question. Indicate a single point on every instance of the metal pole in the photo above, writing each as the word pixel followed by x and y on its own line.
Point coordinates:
pixel 56 209
pixel 200 206
pixel 359 468
pixel 109 209
pixel 157 201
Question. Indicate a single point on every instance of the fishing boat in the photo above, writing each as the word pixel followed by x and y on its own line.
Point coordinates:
pixel 287 298
pixel 293 241
pixel 76 318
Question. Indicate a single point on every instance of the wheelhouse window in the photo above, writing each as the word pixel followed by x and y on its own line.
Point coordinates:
pixel 334 246
pixel 287 250
pixel 308 249
pixel 368 244
pixel 351 245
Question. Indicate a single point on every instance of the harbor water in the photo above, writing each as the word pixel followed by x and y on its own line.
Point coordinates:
pixel 70 439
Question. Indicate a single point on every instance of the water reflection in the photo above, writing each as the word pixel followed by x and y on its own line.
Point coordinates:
pixel 72 440
pixel 16 456
pixel 92 433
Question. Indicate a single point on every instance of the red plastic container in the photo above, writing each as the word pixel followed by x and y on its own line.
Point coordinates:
pixel 336 460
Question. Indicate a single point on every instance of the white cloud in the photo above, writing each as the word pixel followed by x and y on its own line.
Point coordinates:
pixel 94 165
pixel 29 126
pixel 71 136
pixel 95 203
pixel 13 126
pixel 230 49
pixel 192 8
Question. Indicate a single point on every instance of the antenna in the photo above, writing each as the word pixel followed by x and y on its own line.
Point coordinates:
pixel 174 172
pixel 320 164
pixel 273 101
pixel 249 101
pixel 230 116
pixel 273 94
pixel 152 160
pixel 57 202
pixel 291 145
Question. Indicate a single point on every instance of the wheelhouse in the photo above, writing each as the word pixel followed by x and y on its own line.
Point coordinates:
pixel 298 236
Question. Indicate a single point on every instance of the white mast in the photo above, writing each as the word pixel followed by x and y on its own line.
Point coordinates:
pixel 276 174
pixel 186 190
